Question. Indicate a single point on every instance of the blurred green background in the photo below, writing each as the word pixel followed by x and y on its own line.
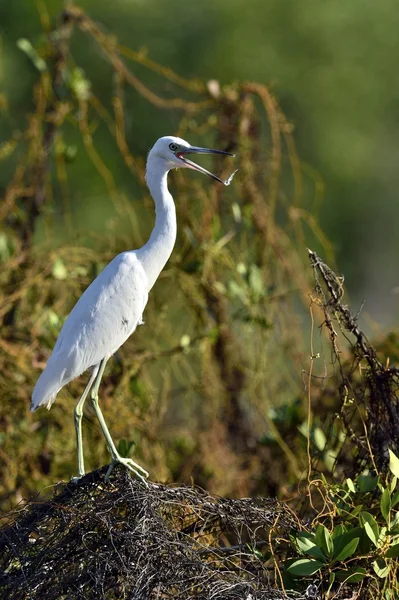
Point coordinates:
pixel 214 388
pixel 333 66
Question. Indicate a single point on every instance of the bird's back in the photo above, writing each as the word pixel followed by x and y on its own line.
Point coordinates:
pixel 106 314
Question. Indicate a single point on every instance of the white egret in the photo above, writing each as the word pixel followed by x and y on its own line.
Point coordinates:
pixel 112 306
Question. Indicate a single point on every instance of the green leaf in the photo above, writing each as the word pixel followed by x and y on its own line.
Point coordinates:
pixel 59 270
pixel 185 341
pixel 386 505
pixel 394 524
pixel 370 533
pixel 80 85
pixel 393 483
pixel 367 483
pixel 344 547
pixel 381 568
pixel 124 447
pixel 320 439
pixel 304 567
pixel 393 551
pixel 393 463
pixel 255 280
pixel 353 575
pixel 323 540
pixel 237 290
pixel 306 545
pixel 356 510
pixel 351 485
pixel 339 531
pixel 395 498
pixel 370 526
pixel 26 47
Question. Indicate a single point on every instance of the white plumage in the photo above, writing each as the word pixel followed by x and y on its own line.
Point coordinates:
pixel 112 306
pixel 106 314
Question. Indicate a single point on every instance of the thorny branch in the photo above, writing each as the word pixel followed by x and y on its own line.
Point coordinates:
pixel 373 388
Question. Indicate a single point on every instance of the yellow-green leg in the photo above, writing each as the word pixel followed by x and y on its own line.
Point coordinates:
pixel 78 416
pixel 115 456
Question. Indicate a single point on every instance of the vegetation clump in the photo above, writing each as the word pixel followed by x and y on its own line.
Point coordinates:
pixel 234 391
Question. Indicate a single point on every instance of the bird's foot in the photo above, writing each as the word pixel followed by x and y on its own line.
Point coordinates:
pixel 129 464
pixel 77 478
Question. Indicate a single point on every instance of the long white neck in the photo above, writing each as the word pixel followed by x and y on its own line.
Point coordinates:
pixel 155 253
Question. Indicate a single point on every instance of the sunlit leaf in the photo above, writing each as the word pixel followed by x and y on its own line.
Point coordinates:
pixel 370 526
pixel 26 47
pixel 393 463
pixel 59 270
pixel 381 568
pixel 307 545
pixel 386 505
pixel 351 485
pixel 305 566
pixel 185 341
pixel 339 530
pixel 323 539
pixel 320 439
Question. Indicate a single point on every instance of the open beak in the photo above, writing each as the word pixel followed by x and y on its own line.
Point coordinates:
pixel 192 165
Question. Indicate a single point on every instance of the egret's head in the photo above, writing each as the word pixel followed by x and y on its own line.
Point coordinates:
pixel 173 152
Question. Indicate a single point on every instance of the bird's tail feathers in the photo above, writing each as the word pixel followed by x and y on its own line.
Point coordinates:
pixel 47 387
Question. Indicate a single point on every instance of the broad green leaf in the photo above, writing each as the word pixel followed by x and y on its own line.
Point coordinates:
pixel 386 505
pixel 381 568
pixel 394 524
pixel 353 575
pixel 356 510
pixel 304 543
pixel 393 483
pixel 370 526
pixel 124 447
pixel 340 542
pixel 304 567
pixel 323 539
pixel 320 439
pixel 393 551
pixel 367 483
pixel 370 533
pixel 307 545
pixel 329 458
pixel 393 463
pixel 395 498
pixel 339 530
pixel 351 485
pixel 343 550
pixel 382 536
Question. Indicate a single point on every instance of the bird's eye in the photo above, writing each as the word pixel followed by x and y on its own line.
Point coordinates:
pixel 173 147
